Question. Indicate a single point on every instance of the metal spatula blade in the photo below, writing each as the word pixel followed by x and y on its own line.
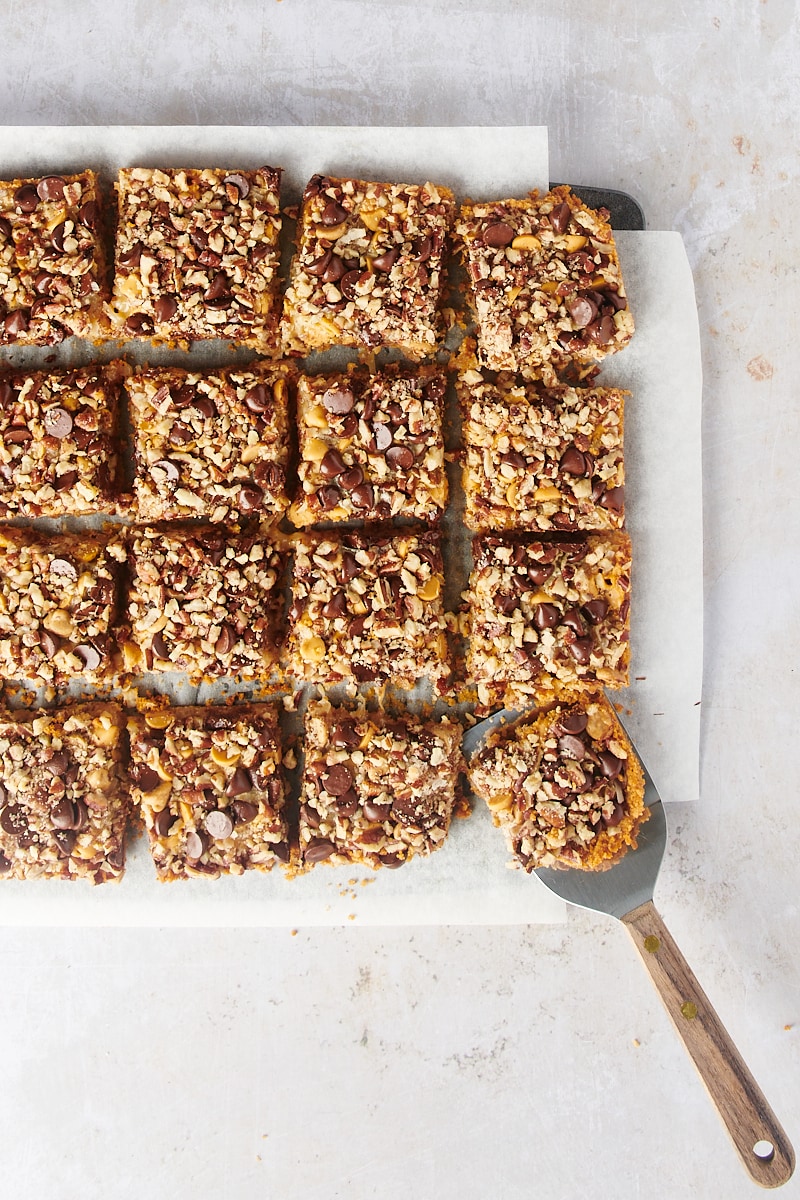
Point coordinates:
pixel 625 891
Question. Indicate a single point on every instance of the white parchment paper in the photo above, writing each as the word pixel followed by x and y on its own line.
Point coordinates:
pixel 467 882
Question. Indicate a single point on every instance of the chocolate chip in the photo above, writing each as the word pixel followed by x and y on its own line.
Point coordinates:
pixel 400 457
pixel 348 283
pixel 63 568
pixel 165 308
pixel 573 462
pixel 241 781
pixel 513 458
pixel 89 214
pixel 338 779
pixel 613 499
pixel 385 262
pixel 545 616
pixel 162 822
pixel 17 435
pixel 219 824
pixel 332 465
pixel 5 864
pixel 138 324
pixel 13 820
pixel 538 572
pixel 57 422
pixel 251 498
pixel 16 322
pixel 572 746
pixel 333 214
pixel 51 188
pixel 160 647
pixel 573 722
pixel 610 765
pixel 601 332
pixel 89 655
pixel 239 183
pixel 257 399
pixel 317 850
pixel 338 401
pixel 129 259
pixel 347 804
pixel 195 846
pixel 244 812
pixel 581 650
pixel 335 270
pixel 583 311
pixel 560 216
pixel 351 479
pixel 573 620
pixel 422 249
pixel 219 290
pixel 318 266
pixel 391 861
pixel 363 496
pixel 5 228
pixel 376 812
pixel 65 839
pixel 180 434
pixel 225 642
pixel 146 778
pixel 382 436
pixel 168 469
pixel 336 607
pixel 62 814
pixel 344 735
pixel 350 568
pixel 498 234
pixel 595 610
pixel 57 236
pixel 26 198
pixel 328 497
pixel 49 642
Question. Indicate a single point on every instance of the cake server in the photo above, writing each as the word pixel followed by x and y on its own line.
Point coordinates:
pixel 625 891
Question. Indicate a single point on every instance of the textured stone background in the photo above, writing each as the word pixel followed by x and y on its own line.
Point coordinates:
pixel 468 1062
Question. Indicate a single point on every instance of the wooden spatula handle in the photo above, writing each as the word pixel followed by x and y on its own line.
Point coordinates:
pixel 750 1121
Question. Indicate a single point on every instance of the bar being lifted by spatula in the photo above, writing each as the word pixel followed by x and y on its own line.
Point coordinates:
pixel 581 811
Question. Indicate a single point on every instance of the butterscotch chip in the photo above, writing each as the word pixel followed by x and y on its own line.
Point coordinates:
pixel 547 616
pixel 377 789
pixel 205 601
pixel 212 445
pixel 64 806
pixel 370 266
pixel 209 786
pixel 565 786
pixel 544 282
pixel 547 459
pixel 59 448
pixel 59 604
pixel 53 270
pixel 371 446
pixel 197 255
pixel 363 609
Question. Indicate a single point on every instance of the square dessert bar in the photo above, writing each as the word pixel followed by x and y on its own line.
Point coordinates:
pixel 197 255
pixel 541 458
pixel 376 789
pixel 564 785
pixel 53 269
pixel 544 281
pixel 59 447
pixel 64 803
pixel 210 445
pixel 371 446
pixel 205 601
pixel 368 608
pixel 209 786
pixel 370 266
pixel 547 616
pixel 59 601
